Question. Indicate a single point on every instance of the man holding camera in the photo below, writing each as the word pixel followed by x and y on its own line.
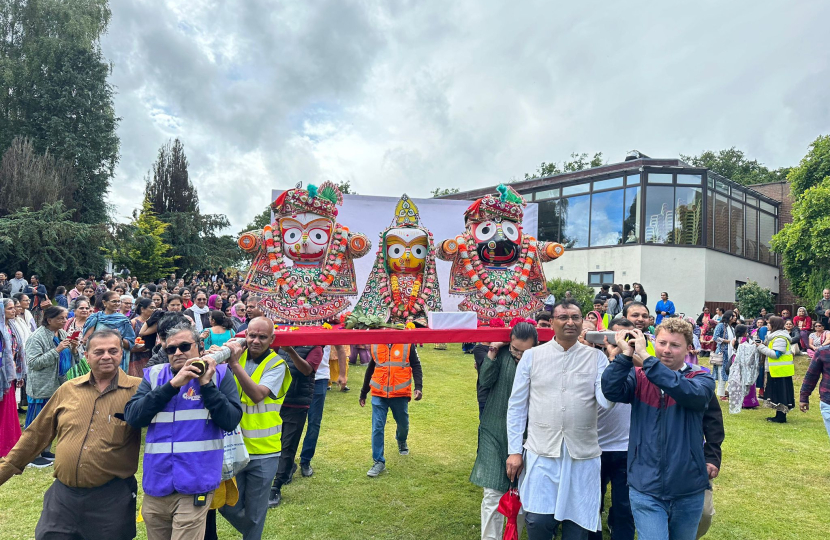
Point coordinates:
pixel 668 400
pixel 186 405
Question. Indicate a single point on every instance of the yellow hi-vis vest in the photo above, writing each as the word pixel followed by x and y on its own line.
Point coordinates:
pixel 783 365
pixel 261 423
pixel 606 320
pixel 650 347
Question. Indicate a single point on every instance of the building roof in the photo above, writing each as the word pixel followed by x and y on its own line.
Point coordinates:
pixel 569 177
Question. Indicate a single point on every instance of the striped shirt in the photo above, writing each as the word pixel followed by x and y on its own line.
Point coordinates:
pixel 93 446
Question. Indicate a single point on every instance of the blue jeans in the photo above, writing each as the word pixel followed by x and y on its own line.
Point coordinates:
pixel 825 413
pixel 380 408
pixel 620 520
pixel 254 484
pixel 544 527
pixel 315 417
pixel 660 519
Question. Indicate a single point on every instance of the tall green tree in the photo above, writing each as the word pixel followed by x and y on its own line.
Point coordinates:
pixel 54 90
pixel 140 246
pixel 814 167
pixel 170 189
pixel 805 252
pixel 577 162
pixel 582 293
pixel 734 165
pixel 195 237
pixel 440 192
pixel 51 242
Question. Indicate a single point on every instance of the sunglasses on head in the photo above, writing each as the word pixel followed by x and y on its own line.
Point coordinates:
pixel 184 347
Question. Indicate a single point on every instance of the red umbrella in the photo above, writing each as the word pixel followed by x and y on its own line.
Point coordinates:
pixel 509 506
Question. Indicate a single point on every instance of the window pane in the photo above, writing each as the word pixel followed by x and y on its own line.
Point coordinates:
pixel 659 178
pixel 608 277
pixel 547 194
pixel 710 213
pixel 738 194
pixel 751 200
pixel 711 181
pixel 751 233
pixel 768 207
pixel 659 214
pixel 721 222
pixel 736 228
pixel 595 279
pixel 689 179
pixel 607 218
pixel 631 214
pixel 608 184
pixel 632 179
pixel 767 229
pixel 688 216
pixel 721 186
pixel 575 212
pixel 573 190
pixel 549 221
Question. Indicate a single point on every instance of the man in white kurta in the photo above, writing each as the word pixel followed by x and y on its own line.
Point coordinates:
pixel 555 395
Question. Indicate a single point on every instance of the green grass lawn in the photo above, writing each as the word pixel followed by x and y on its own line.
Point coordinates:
pixel 773 483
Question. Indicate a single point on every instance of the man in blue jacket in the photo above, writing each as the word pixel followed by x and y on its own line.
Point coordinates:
pixel 667 473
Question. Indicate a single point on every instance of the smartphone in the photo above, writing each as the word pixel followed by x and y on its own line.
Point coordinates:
pixel 598 338
pixel 75 335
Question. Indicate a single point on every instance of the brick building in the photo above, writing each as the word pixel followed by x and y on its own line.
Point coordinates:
pixel 780 191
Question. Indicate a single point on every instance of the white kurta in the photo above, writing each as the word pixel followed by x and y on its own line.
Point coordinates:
pixel 565 487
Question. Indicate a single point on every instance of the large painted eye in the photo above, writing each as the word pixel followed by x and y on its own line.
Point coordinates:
pixel 395 251
pixel 485 231
pixel 319 236
pixel 419 251
pixel 292 235
pixel 510 230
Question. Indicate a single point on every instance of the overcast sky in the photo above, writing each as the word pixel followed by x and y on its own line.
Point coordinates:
pixel 406 96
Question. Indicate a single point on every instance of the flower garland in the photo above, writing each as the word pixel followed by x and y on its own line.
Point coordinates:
pixel 474 269
pixel 398 307
pixel 289 282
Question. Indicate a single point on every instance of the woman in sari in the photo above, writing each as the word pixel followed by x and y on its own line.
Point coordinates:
pixel 819 338
pixel 12 368
pixel 76 324
pixel 111 318
pixel 743 372
pixel 140 354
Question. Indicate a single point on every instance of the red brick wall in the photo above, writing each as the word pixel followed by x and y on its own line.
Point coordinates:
pixel 780 191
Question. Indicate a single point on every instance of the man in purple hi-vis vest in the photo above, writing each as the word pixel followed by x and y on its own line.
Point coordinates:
pixel 186 414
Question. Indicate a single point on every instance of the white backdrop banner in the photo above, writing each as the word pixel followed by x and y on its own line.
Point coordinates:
pixel 370 215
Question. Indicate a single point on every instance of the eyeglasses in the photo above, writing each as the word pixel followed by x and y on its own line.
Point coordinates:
pixel 184 347
pixel 565 318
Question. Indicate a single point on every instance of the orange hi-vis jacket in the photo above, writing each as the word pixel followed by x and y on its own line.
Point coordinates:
pixel 393 375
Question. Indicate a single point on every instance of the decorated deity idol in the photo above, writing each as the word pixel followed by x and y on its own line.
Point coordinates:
pixel 403 285
pixel 495 266
pixel 303 268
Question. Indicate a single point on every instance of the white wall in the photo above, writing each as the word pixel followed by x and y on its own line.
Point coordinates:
pixel 690 275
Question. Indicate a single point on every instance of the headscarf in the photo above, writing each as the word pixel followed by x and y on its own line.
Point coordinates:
pixel 600 323
pixel 7 368
pixel 234 314
pixel 212 301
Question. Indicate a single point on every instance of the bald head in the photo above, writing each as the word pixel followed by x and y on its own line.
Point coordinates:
pixel 259 335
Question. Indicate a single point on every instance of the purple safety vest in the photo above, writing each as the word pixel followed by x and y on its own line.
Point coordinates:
pixel 184 449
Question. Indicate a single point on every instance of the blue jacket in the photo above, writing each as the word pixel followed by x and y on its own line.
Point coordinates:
pixel 665 444
pixel 667 306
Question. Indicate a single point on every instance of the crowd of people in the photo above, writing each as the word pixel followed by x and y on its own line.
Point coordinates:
pixel 560 421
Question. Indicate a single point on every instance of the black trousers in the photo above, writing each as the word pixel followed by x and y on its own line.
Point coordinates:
pixel 106 511
pixel 544 527
pixel 620 518
pixel 293 422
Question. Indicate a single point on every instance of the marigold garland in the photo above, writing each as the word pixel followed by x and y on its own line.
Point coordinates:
pixel 289 282
pixel 474 269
